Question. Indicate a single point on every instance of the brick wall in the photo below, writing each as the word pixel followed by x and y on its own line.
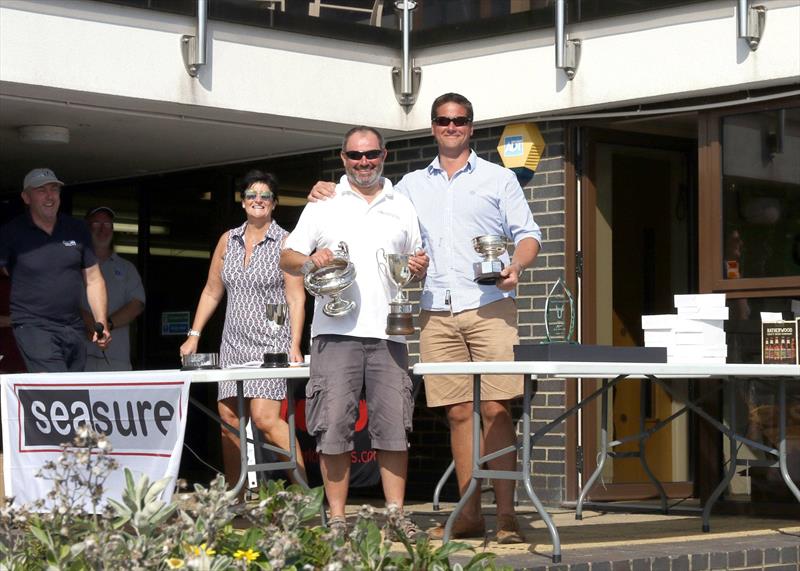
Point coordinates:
pixel 430 452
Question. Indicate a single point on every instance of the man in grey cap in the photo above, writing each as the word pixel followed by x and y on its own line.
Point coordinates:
pixel 125 295
pixel 50 259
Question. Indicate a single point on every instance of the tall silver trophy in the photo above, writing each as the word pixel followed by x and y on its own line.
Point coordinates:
pixel 490 247
pixel 276 318
pixel 332 280
pixel 400 320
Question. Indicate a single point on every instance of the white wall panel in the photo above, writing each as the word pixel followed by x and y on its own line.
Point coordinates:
pixel 112 50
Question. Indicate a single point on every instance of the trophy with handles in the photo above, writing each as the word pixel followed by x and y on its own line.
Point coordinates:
pixel 276 318
pixel 331 280
pixel 490 247
pixel 400 320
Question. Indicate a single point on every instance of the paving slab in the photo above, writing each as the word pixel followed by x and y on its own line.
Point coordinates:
pixel 634 541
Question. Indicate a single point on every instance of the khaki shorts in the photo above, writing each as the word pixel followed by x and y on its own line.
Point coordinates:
pixel 487 333
pixel 340 367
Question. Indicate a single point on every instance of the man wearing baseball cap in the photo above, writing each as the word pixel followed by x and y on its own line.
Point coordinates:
pixel 125 295
pixel 50 259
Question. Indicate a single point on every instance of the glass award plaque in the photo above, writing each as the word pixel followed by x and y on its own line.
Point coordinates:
pixel 559 314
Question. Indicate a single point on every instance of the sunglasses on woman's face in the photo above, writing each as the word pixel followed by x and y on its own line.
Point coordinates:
pixel 264 194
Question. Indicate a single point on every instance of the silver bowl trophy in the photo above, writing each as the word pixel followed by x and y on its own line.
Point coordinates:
pixel 276 318
pixel 491 247
pixel 559 314
pixel 332 280
pixel 195 361
pixel 400 320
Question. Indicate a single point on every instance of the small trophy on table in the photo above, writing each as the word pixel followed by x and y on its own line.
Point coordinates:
pixel 490 247
pixel 559 314
pixel 276 318
pixel 400 320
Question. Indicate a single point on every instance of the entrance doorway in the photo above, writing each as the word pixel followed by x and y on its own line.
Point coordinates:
pixel 639 239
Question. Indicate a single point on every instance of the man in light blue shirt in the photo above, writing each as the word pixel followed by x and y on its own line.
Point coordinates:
pixel 458 197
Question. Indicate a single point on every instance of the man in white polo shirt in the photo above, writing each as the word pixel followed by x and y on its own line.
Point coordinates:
pixel 352 351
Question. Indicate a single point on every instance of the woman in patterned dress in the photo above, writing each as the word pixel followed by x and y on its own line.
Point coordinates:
pixel 245 265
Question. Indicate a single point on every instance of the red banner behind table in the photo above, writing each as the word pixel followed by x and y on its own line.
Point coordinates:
pixel 364 470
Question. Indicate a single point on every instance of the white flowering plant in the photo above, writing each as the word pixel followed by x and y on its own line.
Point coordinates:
pixel 80 530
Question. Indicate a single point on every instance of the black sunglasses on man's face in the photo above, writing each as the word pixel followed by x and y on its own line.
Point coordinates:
pixel 459 121
pixel 356 155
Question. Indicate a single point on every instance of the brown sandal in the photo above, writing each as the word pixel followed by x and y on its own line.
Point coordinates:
pixel 462 529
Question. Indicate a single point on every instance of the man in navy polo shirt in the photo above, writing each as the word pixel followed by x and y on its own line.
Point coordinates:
pixel 50 259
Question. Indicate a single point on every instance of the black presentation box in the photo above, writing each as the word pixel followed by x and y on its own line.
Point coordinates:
pixel 589 353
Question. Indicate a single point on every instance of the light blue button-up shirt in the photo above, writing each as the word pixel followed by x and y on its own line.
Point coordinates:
pixel 481 198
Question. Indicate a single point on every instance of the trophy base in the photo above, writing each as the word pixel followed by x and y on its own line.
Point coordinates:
pixel 275 360
pixel 338 307
pixel 400 324
pixel 487 273
pixel 487 279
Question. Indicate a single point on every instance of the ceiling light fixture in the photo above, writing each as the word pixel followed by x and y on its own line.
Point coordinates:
pixel 47 134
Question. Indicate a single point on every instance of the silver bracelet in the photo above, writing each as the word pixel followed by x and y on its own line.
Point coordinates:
pixel 193 333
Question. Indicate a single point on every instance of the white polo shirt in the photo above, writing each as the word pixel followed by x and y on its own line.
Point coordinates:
pixel 388 222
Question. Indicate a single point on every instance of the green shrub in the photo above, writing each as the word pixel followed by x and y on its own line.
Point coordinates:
pixel 76 530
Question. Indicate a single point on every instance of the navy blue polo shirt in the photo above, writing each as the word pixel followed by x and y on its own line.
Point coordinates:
pixel 46 269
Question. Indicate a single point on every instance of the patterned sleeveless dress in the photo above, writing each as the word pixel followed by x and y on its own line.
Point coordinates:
pixel 246 335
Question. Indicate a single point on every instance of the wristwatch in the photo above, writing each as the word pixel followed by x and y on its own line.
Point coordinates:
pixel 193 333
pixel 308 267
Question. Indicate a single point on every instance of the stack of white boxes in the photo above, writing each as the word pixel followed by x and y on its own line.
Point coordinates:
pixel 696 334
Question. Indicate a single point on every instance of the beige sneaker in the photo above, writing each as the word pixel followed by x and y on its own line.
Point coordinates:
pixel 508 530
pixel 338 526
pixel 407 527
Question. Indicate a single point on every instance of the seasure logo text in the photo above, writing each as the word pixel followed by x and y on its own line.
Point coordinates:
pixel 141 419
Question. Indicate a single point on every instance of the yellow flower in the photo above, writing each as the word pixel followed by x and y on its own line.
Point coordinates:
pixel 175 563
pixel 202 549
pixel 248 555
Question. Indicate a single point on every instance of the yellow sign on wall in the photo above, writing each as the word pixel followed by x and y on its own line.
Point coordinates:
pixel 521 147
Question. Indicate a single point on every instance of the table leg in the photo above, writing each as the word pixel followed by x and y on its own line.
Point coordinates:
pixel 782 460
pixel 242 438
pixel 603 454
pixel 292 436
pixel 641 445
pixel 526 469
pixel 440 484
pixel 729 473
pixel 476 454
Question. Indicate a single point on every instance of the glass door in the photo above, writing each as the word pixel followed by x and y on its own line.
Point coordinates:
pixel 750 250
pixel 638 227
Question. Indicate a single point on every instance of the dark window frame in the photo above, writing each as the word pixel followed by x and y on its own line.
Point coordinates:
pixel 711 209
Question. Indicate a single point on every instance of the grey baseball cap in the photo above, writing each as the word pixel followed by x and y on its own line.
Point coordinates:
pixel 40 177
pixel 105 209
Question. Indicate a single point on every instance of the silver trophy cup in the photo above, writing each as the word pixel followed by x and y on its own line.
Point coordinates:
pixel 400 320
pixel 332 280
pixel 490 247
pixel 276 318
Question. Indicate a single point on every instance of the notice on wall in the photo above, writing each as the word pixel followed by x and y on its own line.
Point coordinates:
pixel 142 414
pixel 174 323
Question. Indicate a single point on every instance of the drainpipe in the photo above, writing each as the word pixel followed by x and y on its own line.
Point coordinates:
pixel 193 48
pixel 567 51
pixel 750 22
pixel 406 78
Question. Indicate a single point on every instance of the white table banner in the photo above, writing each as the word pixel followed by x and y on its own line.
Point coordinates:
pixel 143 414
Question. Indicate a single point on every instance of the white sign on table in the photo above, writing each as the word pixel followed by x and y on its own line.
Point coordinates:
pixel 143 415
